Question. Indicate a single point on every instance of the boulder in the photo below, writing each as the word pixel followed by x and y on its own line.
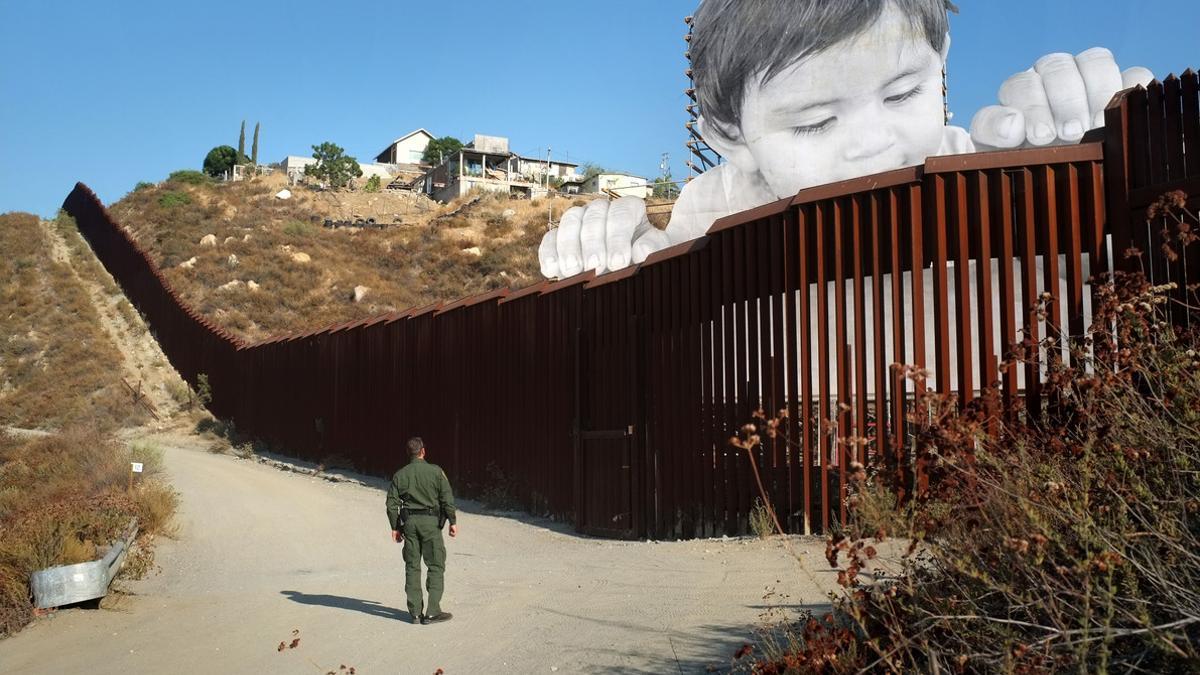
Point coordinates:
pixel 301 257
pixel 189 263
pixel 233 260
pixel 236 283
pixel 360 292
pixel 252 285
pixel 283 194
pixel 508 213
pixel 228 240
pixel 208 240
pixel 474 250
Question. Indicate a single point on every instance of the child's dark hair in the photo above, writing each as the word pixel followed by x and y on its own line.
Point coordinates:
pixel 735 40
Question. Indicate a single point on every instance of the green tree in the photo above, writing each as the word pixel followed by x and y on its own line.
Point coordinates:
pixel 440 149
pixel 242 140
pixel 591 170
pixel 219 160
pixel 254 148
pixel 665 187
pixel 333 165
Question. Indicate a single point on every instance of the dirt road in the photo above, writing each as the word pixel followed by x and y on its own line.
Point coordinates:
pixel 262 552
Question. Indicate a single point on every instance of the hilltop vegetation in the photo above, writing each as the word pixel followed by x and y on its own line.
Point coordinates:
pixel 304 274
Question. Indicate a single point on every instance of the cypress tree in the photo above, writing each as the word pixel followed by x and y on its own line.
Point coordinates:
pixel 242 142
pixel 254 147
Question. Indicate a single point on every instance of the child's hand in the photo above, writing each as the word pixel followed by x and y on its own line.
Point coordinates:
pixel 601 236
pixel 1057 100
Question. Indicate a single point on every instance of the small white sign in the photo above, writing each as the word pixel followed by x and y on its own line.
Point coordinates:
pixel 137 467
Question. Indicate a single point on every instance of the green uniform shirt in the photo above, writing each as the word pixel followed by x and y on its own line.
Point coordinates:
pixel 420 485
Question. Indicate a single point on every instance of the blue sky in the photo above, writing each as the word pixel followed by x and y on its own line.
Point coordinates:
pixel 112 93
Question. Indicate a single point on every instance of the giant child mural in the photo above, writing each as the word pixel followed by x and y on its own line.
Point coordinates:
pixel 798 93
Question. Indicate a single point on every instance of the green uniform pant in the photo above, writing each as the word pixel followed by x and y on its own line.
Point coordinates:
pixel 423 541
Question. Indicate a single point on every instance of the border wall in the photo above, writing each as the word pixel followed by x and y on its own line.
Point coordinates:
pixel 609 400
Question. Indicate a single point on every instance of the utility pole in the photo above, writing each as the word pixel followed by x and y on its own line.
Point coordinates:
pixel 549 198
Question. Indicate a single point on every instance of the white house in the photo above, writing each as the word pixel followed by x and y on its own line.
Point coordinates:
pixel 619 184
pixel 535 168
pixel 292 166
pixel 406 149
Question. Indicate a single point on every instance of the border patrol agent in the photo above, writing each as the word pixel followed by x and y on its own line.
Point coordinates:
pixel 419 503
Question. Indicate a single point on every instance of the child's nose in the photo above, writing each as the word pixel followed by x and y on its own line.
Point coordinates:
pixel 869 141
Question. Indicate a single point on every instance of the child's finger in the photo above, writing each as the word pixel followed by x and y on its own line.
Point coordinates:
pixel 998 126
pixel 1066 95
pixel 1101 77
pixel 570 262
pixel 548 254
pixel 1025 92
pixel 1135 76
pixel 591 235
pixel 652 240
pixel 625 218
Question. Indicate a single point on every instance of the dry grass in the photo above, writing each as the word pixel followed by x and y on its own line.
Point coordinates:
pixel 64 495
pixel 414 263
pixel 56 363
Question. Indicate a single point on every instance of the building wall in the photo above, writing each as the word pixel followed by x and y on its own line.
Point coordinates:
pixel 409 150
pixel 534 167
pixel 375 170
pixel 460 187
pixel 294 164
pixel 621 184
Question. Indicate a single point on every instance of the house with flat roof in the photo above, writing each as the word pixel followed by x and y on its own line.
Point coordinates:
pixel 536 169
pixel 618 185
pixel 486 163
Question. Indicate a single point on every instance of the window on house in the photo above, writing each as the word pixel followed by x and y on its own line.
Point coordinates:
pixel 414 156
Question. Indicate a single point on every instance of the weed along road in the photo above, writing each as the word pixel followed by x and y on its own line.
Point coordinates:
pixel 262 552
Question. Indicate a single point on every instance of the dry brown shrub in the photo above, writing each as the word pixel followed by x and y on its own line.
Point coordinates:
pixel 1066 540
pixel 63 495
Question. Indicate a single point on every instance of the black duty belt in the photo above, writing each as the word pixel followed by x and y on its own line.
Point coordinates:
pixel 420 512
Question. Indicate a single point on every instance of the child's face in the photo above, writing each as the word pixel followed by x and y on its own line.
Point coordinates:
pixel 870 104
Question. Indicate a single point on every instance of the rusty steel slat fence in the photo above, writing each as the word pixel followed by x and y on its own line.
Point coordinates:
pixel 609 401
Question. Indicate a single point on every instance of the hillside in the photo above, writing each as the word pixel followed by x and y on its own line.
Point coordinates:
pixel 67 340
pixel 275 268
pixel 61 359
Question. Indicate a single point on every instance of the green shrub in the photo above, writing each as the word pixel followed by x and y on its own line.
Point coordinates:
pixel 203 390
pixel 761 522
pixel 188 177
pixel 373 184
pixel 297 228
pixel 142 185
pixel 169 200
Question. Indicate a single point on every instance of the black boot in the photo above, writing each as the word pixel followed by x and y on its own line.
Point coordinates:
pixel 438 618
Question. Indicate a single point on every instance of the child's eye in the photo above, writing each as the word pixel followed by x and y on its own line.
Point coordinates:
pixel 901 98
pixel 814 128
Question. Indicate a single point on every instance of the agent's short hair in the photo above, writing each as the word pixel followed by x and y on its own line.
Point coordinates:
pixel 414 446
pixel 733 41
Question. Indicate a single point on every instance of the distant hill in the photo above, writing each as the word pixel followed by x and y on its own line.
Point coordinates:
pixel 271 266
